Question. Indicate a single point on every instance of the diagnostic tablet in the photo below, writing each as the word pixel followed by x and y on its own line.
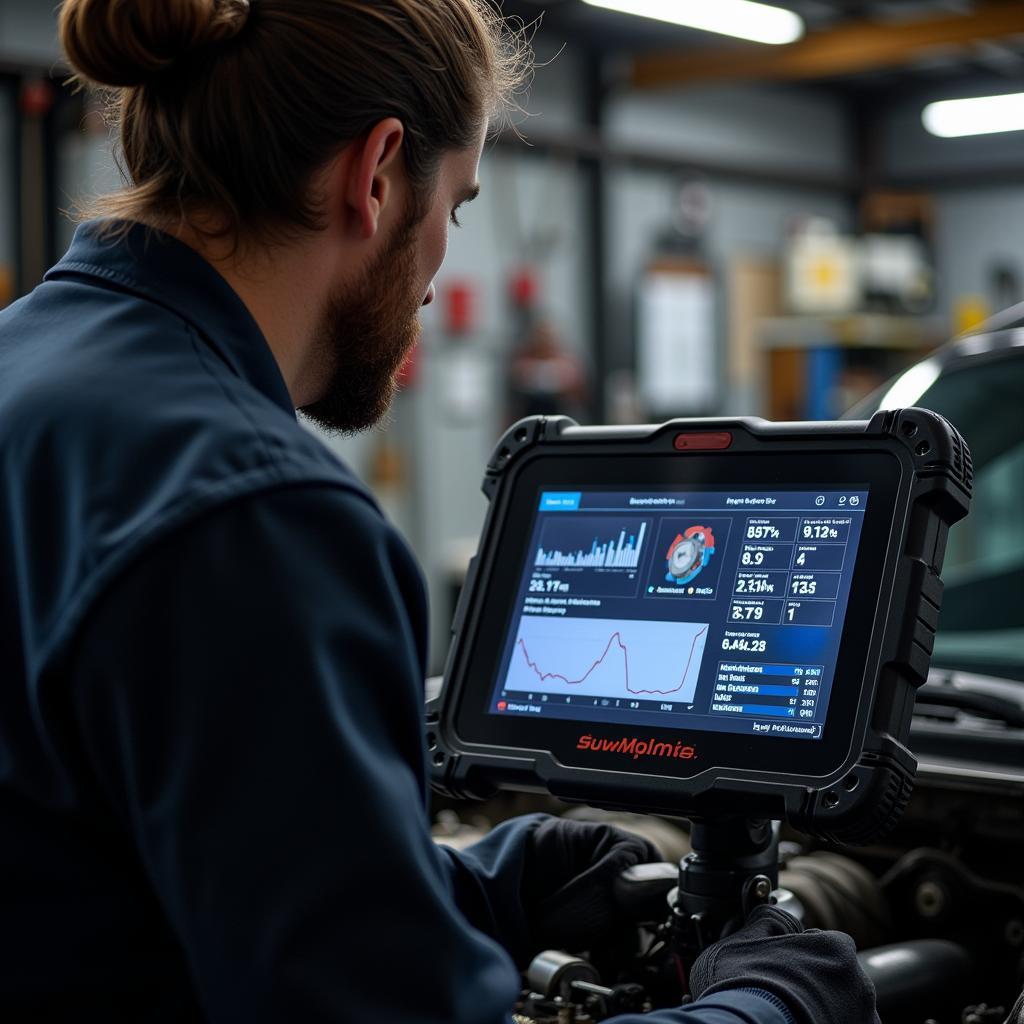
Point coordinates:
pixel 704 617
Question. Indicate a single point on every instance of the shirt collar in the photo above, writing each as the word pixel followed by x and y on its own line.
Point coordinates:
pixel 158 267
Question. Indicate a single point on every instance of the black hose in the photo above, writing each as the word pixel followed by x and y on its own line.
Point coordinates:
pixel 920 980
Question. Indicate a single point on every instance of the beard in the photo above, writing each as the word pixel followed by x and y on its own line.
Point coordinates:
pixel 364 336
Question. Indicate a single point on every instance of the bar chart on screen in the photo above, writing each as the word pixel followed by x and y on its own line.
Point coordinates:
pixel 592 543
pixel 590 556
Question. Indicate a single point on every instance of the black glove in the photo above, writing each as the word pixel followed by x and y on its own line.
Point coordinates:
pixel 569 870
pixel 815 973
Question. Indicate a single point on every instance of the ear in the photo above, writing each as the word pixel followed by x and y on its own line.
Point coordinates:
pixel 371 165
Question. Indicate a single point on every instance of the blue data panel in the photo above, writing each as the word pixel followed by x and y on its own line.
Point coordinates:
pixel 721 609
pixel 810 556
pixel 767 690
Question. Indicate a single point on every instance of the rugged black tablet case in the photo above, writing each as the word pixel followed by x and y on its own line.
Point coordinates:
pixel 865 797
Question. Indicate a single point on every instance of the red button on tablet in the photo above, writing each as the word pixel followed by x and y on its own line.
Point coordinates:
pixel 705 442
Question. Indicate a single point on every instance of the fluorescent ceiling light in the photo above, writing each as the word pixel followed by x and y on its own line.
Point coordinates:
pixel 982 115
pixel 761 23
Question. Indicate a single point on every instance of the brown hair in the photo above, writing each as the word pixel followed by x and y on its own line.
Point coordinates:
pixel 230 107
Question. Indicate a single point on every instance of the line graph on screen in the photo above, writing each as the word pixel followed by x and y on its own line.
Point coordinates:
pixel 607 658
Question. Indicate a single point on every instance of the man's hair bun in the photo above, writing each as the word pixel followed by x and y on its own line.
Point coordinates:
pixel 128 42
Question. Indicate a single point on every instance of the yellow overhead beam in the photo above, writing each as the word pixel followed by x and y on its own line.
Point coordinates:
pixel 849 49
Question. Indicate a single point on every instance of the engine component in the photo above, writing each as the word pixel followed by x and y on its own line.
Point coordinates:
pixel 932 894
pixel 569 988
pixel 552 973
pixel 838 893
pixel 929 978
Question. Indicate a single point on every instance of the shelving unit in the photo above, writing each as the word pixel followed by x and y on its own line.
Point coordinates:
pixel 806 358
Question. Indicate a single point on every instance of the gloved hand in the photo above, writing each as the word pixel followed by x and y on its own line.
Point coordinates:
pixel 569 870
pixel 815 973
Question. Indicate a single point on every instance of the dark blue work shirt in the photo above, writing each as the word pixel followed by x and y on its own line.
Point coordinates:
pixel 212 779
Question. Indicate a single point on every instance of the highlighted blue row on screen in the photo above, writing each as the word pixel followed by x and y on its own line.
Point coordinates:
pixel 769 709
pixel 560 501
pixel 746 668
pixel 757 710
pixel 765 690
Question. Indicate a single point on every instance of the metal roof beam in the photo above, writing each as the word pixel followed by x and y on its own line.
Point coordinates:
pixel 845 50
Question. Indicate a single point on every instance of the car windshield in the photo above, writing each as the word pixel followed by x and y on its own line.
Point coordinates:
pixel 982 623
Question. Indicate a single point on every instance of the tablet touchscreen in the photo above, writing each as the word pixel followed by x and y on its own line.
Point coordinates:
pixel 718 609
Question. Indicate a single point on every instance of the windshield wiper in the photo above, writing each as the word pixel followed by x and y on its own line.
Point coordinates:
pixel 989 705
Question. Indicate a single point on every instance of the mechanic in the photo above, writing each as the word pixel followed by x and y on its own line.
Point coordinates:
pixel 212 777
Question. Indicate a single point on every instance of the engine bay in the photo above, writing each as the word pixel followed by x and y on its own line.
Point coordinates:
pixel 936 910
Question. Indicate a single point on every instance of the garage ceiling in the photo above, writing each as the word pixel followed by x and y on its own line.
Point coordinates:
pixel 848 42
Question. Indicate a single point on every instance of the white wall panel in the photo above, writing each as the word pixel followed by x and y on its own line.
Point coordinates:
pixel 977 229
